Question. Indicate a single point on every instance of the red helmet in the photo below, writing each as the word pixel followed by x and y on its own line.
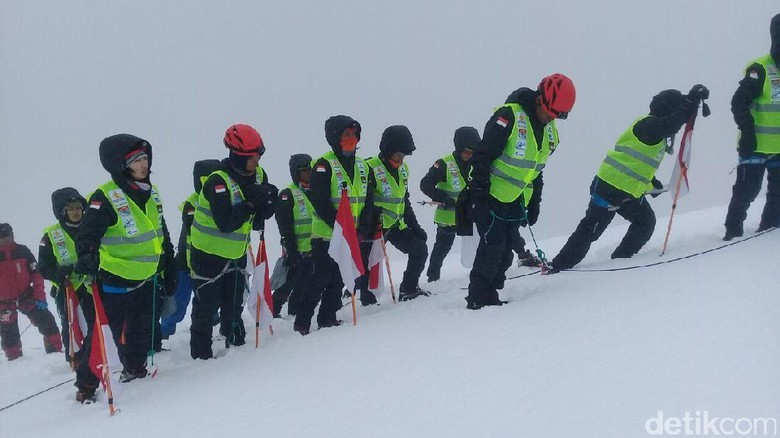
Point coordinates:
pixel 557 95
pixel 244 140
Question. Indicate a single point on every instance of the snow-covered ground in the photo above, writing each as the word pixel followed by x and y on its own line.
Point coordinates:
pixel 578 354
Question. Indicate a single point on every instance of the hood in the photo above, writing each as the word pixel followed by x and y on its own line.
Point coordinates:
pixel 61 197
pixel 524 96
pixel 335 126
pixel 466 137
pixel 774 32
pixel 201 170
pixel 298 161
pixel 113 150
pixel 396 138
pixel 665 102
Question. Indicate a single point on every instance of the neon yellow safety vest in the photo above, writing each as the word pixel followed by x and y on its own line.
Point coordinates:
pixel 302 218
pixel 206 236
pixel 64 249
pixel 522 159
pixel 192 200
pixel 632 165
pixel 132 246
pixel 452 186
pixel 389 194
pixel 356 191
pixel 766 109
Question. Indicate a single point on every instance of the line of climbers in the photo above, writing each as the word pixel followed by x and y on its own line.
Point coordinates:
pixel 492 184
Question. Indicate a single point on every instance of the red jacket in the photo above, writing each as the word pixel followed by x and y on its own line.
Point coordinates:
pixel 19 274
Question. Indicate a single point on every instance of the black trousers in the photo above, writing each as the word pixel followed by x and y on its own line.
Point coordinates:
pixel 598 216
pixel 494 253
pixel 130 314
pixel 320 282
pixel 225 294
pixel 416 250
pixel 745 191
pixel 445 236
pixel 285 293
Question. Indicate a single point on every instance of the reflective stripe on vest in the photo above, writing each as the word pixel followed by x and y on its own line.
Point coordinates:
pixel 452 186
pixel 522 159
pixel 207 237
pixel 389 194
pixel 766 109
pixel 356 191
pixel 64 250
pixel 132 246
pixel 632 164
pixel 302 218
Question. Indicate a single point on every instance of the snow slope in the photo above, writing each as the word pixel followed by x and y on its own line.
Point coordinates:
pixel 578 354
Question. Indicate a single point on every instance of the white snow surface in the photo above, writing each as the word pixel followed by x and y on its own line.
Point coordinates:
pixel 577 354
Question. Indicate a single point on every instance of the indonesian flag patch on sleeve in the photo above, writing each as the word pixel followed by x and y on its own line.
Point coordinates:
pixel 502 121
pixel 95 204
pixel 320 168
pixel 219 188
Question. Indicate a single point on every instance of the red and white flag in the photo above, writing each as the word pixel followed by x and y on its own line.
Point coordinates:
pixel 104 356
pixel 344 247
pixel 376 277
pixel 681 165
pixel 260 302
pixel 77 323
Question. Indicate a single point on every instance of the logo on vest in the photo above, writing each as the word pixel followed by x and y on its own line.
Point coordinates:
pixel 522 134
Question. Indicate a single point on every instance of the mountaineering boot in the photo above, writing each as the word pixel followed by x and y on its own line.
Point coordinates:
pixel 410 294
pixel 529 260
pixel 129 374
pixel 86 394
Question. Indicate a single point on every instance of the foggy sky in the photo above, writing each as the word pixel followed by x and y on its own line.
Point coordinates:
pixel 179 73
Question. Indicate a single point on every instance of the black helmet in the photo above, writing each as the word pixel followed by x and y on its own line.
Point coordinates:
pixel 665 102
pixel 466 137
pixel 298 162
pixel 396 138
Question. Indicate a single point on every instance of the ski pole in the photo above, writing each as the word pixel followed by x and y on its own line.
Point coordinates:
pixel 387 266
pixel 257 305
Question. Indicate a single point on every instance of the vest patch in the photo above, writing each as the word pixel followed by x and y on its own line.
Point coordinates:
pixel 60 244
pixel 522 135
pixel 119 201
pixel 452 168
pixel 773 77
pixel 300 202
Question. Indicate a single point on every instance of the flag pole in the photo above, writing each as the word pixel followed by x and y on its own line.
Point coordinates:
pixel 257 305
pixel 102 342
pixel 387 266
pixel 69 313
pixel 354 309
pixel 683 175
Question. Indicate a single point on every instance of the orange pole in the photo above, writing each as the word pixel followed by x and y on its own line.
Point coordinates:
pixel 69 293
pixel 354 310
pixel 102 341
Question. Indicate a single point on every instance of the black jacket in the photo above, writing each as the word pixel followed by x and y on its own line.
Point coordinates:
pixel 227 217
pixel 285 219
pixel 438 173
pixel 100 216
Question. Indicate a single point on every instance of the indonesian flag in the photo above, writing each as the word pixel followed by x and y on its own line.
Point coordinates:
pixel 77 324
pixel 376 281
pixel 681 165
pixel 344 248
pixel 260 301
pixel 104 355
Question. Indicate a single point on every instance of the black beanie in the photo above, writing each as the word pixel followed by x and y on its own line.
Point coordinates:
pixel 466 137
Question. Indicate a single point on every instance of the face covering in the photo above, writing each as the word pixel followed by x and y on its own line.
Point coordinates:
pixel 348 146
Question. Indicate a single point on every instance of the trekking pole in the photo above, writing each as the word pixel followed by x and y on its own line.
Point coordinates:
pixel 257 304
pixel 387 266
pixel 683 176
pixel 69 313
pixel 233 310
pixel 101 340
pixel 435 203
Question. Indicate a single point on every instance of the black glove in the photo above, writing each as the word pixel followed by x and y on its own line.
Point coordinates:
pixel 419 233
pixel 532 211
pixel 170 280
pixel 698 93
pixel 88 264
pixel 255 195
pixel 747 144
pixel 62 273
pixel 658 186
pixel 448 202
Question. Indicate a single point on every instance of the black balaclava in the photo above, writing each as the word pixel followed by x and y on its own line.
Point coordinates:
pixel 774 32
